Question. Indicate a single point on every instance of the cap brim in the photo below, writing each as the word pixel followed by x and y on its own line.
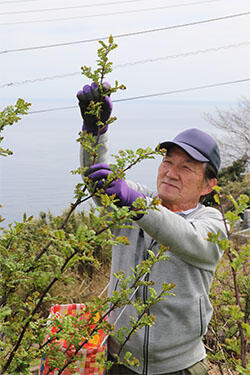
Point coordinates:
pixel 189 150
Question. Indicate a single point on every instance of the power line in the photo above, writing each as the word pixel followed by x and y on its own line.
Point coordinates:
pixel 184 54
pixel 24 1
pixel 39 79
pixel 138 62
pixel 71 7
pixel 127 34
pixel 16 1
pixel 188 89
pixel 107 14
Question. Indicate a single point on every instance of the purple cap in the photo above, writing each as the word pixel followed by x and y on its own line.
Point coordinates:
pixel 199 145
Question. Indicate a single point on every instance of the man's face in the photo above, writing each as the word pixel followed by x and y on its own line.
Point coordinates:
pixel 180 180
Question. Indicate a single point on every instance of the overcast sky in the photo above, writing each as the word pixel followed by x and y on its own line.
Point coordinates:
pixel 186 53
pixel 19 29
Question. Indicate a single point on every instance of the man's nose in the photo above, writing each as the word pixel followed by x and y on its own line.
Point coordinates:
pixel 172 172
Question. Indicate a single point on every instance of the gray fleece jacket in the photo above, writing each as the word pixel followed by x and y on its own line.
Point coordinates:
pixel 174 342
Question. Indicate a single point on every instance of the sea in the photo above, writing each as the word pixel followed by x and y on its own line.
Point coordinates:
pixel 38 176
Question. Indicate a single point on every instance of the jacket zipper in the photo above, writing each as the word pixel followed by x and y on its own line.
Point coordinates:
pixel 146 334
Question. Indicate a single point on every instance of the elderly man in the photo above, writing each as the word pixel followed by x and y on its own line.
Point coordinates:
pixel 187 172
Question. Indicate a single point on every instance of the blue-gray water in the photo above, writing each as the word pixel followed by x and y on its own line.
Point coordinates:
pixel 37 176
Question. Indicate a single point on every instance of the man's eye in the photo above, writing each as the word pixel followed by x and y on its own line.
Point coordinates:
pixel 187 168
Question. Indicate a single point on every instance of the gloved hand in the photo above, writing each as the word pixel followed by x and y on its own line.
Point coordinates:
pixel 125 194
pixel 92 93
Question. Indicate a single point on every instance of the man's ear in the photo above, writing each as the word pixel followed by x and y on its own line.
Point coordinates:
pixel 210 183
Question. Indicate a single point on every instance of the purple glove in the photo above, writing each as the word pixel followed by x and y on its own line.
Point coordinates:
pixel 126 195
pixel 92 93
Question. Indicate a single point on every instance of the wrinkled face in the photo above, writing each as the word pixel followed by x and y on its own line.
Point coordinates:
pixel 180 180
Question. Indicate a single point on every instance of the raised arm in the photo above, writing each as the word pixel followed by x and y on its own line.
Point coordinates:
pixel 101 170
pixel 88 94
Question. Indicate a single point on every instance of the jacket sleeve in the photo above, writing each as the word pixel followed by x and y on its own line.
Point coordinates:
pixel 187 237
pixel 103 154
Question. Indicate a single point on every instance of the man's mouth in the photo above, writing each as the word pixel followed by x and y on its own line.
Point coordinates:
pixel 170 184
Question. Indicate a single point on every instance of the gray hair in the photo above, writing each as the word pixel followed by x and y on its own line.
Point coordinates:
pixel 209 172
